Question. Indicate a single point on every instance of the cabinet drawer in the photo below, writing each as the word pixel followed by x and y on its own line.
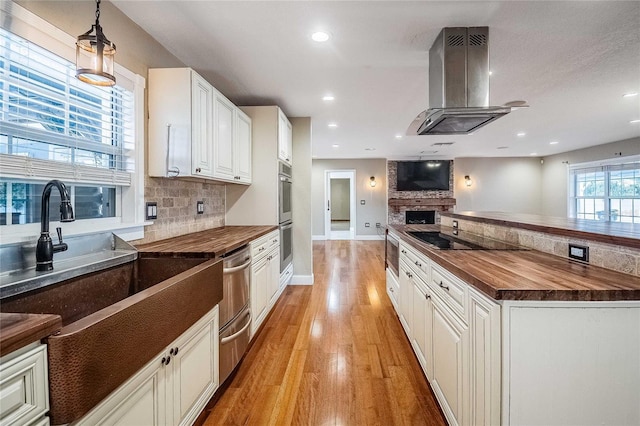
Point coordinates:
pixel 418 262
pixel 261 246
pixel 24 392
pixel 451 290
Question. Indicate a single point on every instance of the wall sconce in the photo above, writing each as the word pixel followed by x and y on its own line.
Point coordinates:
pixel 468 181
pixel 94 55
pixel 372 181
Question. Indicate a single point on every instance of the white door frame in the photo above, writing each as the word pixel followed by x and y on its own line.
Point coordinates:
pixel 340 174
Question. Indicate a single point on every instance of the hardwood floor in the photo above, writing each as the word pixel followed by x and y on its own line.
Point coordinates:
pixel 331 354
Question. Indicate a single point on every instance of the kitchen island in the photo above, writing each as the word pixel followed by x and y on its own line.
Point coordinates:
pixel 519 336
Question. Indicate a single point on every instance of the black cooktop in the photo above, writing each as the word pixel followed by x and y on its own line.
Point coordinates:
pixel 459 240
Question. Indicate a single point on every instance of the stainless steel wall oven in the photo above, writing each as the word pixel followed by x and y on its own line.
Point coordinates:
pixel 285 215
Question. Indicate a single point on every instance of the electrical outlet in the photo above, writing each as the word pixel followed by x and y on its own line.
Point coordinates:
pixel 362 202
pixel 377 224
pixel 152 211
pixel 455 223
pixel 580 253
pixel 200 207
pixel 367 225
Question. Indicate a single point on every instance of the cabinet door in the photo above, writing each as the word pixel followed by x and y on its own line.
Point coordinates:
pixel 194 372
pixel 485 360
pixel 140 401
pixel 450 338
pixel 274 275
pixel 243 147
pixel 201 126
pixel 259 284
pixel 421 328
pixel 223 162
pixel 405 301
pixel 284 138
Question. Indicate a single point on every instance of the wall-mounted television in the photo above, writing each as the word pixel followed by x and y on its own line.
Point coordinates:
pixel 430 175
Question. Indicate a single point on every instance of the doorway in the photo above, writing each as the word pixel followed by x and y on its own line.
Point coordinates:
pixel 340 204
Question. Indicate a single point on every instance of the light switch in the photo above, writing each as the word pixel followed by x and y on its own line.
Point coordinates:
pixel 200 207
pixel 362 202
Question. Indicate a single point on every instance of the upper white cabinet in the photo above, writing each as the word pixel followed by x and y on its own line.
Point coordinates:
pixel 194 130
pixel 285 138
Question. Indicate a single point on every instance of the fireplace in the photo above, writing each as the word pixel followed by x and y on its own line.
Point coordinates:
pixel 413 217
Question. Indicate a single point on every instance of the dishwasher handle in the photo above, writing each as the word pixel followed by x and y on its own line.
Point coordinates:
pixel 233 269
pixel 237 334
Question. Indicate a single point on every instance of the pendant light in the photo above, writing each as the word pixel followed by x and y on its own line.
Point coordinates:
pixel 94 55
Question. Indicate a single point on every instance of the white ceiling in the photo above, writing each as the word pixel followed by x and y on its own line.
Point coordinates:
pixel 572 61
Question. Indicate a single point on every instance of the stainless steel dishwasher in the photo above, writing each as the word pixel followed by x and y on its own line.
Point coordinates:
pixel 235 315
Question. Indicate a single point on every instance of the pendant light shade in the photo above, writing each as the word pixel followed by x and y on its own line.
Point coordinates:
pixel 95 55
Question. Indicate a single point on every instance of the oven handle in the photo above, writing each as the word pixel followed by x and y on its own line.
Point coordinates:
pixel 245 265
pixel 287 226
pixel 234 336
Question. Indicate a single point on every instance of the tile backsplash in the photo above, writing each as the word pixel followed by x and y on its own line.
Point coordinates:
pixel 617 258
pixel 177 207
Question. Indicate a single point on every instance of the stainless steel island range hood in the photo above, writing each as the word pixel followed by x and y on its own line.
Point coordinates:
pixel 458 84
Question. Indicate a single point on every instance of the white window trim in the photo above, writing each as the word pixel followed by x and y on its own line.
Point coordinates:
pixel 130 225
pixel 598 163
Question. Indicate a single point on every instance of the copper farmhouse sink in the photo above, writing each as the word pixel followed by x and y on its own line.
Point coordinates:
pixel 115 321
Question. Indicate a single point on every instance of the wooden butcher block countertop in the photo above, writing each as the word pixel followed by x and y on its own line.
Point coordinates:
pixel 19 330
pixel 210 243
pixel 527 274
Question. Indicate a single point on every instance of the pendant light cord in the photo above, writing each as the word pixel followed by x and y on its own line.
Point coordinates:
pixel 97 11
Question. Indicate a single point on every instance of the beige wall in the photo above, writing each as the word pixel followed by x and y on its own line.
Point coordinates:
pixel 301 194
pixel 499 184
pixel 138 51
pixel 375 208
pixel 554 171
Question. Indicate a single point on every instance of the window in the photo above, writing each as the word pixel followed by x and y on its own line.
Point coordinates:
pixel 53 126
pixel 606 192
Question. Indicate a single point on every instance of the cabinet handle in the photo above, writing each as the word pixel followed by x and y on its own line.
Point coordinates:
pixel 404 252
pixel 163 360
pixel 418 264
pixel 198 170
pixel 168 360
pixel 444 286
pixel 427 296
pixel 175 352
pixel 170 170
pixel 171 351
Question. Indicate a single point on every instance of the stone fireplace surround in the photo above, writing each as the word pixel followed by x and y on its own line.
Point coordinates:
pixel 399 202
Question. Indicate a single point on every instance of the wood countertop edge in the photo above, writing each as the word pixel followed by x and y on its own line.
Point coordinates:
pixel 525 294
pixel 550 229
pixel 19 330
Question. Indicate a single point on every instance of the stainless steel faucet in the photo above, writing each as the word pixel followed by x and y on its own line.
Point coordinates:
pixel 45 247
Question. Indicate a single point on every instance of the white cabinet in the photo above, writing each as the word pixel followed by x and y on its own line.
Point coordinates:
pixel 285 138
pixel 405 301
pixel 231 142
pixel 265 277
pixel 393 289
pixel 450 358
pixel 421 340
pixel 24 386
pixel 172 389
pixel 194 131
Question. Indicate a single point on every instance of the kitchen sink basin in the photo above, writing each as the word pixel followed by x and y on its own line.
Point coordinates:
pixel 115 321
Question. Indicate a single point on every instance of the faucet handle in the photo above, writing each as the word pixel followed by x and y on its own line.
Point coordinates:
pixel 59 231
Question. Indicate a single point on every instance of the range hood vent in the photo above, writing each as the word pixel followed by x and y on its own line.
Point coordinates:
pixel 458 84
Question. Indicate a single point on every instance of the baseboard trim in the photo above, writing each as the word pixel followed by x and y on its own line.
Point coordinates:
pixel 302 280
pixel 318 238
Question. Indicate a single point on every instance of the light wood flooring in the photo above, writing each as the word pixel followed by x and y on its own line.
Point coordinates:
pixel 331 354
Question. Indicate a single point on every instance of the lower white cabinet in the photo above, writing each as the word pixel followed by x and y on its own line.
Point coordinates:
pixel 172 389
pixel 24 386
pixel 450 357
pixel 265 277
pixel 422 335
pixel 405 300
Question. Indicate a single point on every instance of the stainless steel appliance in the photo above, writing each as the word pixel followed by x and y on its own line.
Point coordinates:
pixel 285 215
pixel 286 245
pixel 392 253
pixel 235 315
pixel 284 192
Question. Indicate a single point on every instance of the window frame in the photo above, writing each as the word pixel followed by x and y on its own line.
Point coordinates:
pixel 607 167
pixel 130 224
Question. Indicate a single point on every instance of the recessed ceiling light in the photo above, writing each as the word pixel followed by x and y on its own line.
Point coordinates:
pixel 369 149
pixel 521 134
pixel 320 36
pixel 634 121
pixel 502 147
pixel 335 145
pixel 333 125
pixel 533 153
pixel 398 136
pixel 554 143
pixel 630 95
pixel 328 98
